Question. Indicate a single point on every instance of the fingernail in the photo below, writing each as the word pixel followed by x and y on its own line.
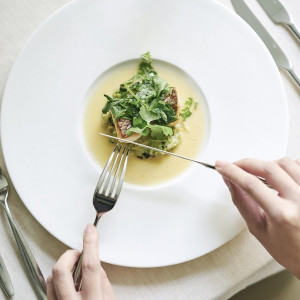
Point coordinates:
pixel 89 228
pixel 220 164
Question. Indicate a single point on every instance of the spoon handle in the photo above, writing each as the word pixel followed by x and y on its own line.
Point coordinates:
pixel 32 267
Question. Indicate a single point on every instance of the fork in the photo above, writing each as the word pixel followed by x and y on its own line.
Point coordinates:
pixel 31 265
pixel 106 194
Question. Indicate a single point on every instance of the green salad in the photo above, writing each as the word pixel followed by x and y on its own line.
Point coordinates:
pixel 145 109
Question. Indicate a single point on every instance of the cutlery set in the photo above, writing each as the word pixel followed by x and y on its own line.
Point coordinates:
pixel 278 14
pixel 110 182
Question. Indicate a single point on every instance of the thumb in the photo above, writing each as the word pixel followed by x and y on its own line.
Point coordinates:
pixel 90 242
pixel 91 269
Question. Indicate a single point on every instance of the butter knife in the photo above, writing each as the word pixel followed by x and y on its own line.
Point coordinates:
pixel 278 13
pixel 278 55
pixel 5 281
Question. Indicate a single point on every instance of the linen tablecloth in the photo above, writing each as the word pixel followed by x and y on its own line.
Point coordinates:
pixel 217 275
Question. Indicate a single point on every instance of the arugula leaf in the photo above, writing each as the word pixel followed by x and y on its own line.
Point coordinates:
pixel 160 85
pixel 146 91
pixel 159 132
pixel 145 67
pixel 146 57
pixel 143 131
pixel 166 112
pixel 149 115
pixel 139 122
pixel 185 112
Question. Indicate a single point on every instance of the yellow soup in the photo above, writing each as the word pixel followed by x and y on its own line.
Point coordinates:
pixel 152 170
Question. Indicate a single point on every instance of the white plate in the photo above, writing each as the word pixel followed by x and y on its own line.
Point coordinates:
pixel 42 123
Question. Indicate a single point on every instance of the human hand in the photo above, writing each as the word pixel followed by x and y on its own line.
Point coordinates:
pixel 273 218
pixel 95 284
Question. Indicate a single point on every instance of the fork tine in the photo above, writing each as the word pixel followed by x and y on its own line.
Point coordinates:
pixel 120 182
pixel 104 172
pixel 112 187
pixel 106 185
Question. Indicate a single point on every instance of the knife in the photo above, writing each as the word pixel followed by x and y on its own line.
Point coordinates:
pixel 278 55
pixel 158 150
pixel 173 154
pixel 5 281
pixel 278 13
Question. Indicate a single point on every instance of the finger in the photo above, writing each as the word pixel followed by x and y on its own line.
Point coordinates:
pixel 227 182
pixel 250 211
pixel 62 275
pixel 262 195
pixel 51 294
pixel 91 269
pixel 247 207
pixel 273 173
pixel 291 167
pixel 106 286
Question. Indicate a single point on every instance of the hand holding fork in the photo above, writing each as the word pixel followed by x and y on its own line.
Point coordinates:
pixel 106 193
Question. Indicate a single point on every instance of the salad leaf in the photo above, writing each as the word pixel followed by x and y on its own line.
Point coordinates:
pixel 185 112
pixel 160 85
pixel 159 132
pixel 142 131
pixel 142 100
pixel 145 67
pixel 149 114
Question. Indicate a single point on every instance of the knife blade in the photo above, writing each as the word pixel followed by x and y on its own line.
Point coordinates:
pixel 278 13
pixel 159 150
pixel 5 281
pixel 278 55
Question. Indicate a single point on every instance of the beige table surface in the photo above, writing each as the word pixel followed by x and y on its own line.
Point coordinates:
pixel 217 275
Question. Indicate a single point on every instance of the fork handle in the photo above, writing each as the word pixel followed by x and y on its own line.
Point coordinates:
pixel 77 272
pixel 31 265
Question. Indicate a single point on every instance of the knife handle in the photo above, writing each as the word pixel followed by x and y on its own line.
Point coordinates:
pixel 5 281
pixel 295 30
pixel 294 75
